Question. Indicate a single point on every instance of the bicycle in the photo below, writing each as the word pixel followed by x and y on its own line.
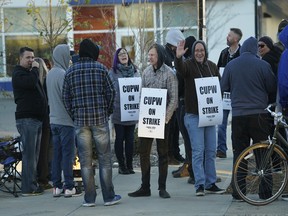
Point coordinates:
pixel 262 167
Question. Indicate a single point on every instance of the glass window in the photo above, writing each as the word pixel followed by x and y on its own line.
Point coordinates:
pixel 106 43
pixel 13 44
pixel 172 18
pixel 17 20
pixel 136 15
pixel 94 18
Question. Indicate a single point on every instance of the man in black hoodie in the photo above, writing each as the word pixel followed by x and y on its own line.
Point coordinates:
pixel 31 107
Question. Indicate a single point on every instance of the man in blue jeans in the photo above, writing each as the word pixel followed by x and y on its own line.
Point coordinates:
pixel 31 107
pixel 229 53
pixel 62 127
pixel 88 96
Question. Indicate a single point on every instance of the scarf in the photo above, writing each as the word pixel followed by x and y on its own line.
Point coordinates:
pixel 126 70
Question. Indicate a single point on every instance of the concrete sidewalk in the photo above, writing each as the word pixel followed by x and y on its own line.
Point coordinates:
pixel 183 200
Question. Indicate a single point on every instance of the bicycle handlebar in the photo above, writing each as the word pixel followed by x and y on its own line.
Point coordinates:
pixel 278 116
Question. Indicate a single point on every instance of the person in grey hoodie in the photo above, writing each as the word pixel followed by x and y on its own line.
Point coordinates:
pixel 62 127
pixel 250 80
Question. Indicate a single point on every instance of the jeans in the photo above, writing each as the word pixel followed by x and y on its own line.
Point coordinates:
pixel 203 143
pixel 222 145
pixel 124 133
pixel 162 150
pixel 101 136
pixel 245 128
pixel 30 131
pixel 63 155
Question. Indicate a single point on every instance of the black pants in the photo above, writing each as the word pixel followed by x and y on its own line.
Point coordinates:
pixel 162 150
pixel 245 128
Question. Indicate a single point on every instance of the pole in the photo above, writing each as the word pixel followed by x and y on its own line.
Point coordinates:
pixel 201 20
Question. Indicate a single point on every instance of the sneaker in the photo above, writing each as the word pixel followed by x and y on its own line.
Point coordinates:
pixel 215 190
pixel 116 199
pixel 285 197
pixel 57 192
pixel 84 204
pixel 36 192
pixel 200 191
pixel 221 154
pixel 72 193
pixel 140 193
pixel 164 194
pixel 237 199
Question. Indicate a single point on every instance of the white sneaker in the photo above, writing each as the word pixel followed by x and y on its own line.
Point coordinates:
pixel 285 197
pixel 88 204
pixel 72 193
pixel 57 192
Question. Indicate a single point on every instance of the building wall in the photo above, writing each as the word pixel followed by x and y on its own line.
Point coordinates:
pixel 226 15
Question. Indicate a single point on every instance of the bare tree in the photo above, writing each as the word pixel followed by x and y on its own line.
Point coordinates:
pixel 219 17
pixel 51 21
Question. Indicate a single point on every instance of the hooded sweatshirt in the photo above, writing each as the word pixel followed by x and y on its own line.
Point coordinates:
pixel 249 80
pixel 54 81
pixel 190 69
pixel 283 70
pixel 162 78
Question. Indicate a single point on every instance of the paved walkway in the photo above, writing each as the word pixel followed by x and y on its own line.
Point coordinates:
pixel 183 200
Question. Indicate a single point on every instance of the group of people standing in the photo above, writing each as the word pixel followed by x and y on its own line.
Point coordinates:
pixel 82 96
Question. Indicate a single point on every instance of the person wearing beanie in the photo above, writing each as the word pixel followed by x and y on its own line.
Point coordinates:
pixel 88 95
pixel 173 37
pixel 281 26
pixel 269 53
pixel 228 54
pixel 249 80
pixel 189 41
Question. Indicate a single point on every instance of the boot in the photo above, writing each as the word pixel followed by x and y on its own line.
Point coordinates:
pixel 122 168
pixel 183 171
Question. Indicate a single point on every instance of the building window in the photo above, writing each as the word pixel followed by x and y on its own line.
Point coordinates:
pixel 135 16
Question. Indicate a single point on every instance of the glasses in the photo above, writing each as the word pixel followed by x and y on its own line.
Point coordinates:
pixel 122 53
pixel 261 45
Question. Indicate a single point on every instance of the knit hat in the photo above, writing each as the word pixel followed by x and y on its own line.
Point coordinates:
pixel 268 41
pixel 174 36
pixel 189 41
pixel 282 25
pixel 88 49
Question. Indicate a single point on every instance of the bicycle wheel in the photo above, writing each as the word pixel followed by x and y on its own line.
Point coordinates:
pixel 260 177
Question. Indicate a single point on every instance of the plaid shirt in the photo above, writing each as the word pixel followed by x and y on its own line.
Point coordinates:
pixel 88 93
pixel 163 78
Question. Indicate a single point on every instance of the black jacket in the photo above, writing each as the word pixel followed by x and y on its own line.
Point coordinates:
pixel 29 95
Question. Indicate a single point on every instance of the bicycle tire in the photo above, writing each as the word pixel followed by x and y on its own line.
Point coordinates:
pixel 250 179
